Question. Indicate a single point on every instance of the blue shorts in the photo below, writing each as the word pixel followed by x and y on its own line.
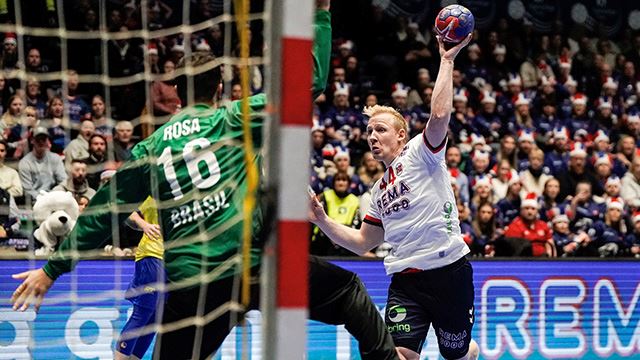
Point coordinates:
pixel 142 291
pixel 442 297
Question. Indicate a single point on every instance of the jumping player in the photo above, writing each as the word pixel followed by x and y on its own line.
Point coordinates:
pixel 195 165
pixel 413 208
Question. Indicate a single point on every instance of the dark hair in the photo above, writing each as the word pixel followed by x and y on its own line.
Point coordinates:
pixel 5 143
pixel 98 135
pixel 341 176
pixel 205 84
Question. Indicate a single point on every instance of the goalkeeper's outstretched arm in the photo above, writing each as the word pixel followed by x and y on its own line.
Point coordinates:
pixel 92 229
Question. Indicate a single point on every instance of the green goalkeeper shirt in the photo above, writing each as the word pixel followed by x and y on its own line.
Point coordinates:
pixel 194 166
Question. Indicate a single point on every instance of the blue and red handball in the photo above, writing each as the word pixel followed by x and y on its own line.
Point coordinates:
pixel 454 23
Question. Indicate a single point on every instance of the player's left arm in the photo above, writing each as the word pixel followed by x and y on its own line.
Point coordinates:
pixel 321 47
pixel 442 99
pixel 92 229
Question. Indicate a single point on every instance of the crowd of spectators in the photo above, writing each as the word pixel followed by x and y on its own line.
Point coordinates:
pixel 543 141
pixel 543 144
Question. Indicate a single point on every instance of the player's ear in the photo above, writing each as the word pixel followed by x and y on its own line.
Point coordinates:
pixel 402 135
pixel 219 91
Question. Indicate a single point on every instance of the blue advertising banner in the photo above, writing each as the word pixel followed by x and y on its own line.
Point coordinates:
pixel 524 310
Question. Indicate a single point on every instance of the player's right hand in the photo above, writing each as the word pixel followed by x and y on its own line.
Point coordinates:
pixel 316 210
pixel 152 231
pixel 32 290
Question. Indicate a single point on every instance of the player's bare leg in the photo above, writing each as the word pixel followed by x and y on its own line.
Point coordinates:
pixel 473 352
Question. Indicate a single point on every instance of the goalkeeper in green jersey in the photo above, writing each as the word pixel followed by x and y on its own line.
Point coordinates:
pixel 195 164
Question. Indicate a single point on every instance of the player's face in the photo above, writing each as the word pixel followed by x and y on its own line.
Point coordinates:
pixel 385 140
pixel 3 152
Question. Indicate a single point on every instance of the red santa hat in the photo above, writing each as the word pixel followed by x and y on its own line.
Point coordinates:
pixel 10 38
pixel 340 88
pixel 530 200
pixel 203 46
pixel 579 99
pixel 565 62
pixel 526 135
pixel 399 90
pixel 615 203
pixel 578 149
pixel 152 49
pixel 610 83
pixel 636 216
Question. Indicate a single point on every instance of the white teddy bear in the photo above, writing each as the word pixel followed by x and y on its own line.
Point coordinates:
pixel 56 213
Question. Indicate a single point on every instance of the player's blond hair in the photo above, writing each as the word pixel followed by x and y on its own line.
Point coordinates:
pixel 399 121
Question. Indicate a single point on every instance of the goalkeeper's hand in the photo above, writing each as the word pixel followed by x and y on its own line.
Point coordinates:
pixel 32 290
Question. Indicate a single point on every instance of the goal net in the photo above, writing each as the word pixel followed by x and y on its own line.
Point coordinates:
pixel 128 67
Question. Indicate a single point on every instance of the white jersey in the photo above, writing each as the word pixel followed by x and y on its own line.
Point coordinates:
pixel 415 205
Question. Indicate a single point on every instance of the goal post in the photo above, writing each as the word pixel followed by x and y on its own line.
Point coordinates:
pixel 286 257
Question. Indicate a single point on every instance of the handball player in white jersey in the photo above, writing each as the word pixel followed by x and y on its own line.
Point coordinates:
pixel 413 208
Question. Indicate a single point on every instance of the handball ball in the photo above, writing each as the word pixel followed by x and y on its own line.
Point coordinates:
pixel 454 23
